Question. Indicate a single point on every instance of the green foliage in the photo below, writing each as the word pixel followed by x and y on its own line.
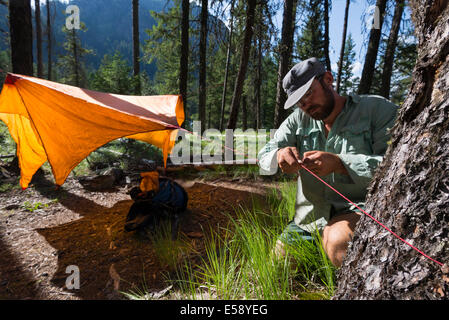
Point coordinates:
pixel 403 65
pixel 7 144
pixel 5 65
pixel 311 41
pixel 6 187
pixel 348 83
pixel 114 76
pixel 71 65
pixel 32 207
pixel 170 253
pixel 164 48
pixel 238 260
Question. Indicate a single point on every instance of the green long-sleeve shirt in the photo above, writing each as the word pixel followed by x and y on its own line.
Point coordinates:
pixel 358 136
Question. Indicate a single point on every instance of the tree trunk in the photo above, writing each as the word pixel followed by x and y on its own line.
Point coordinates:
pixel 286 48
pixel 202 75
pixel 136 45
pixel 21 33
pixel 244 113
pixel 228 59
pixel 184 61
pixel 410 190
pixel 326 35
pixel 258 83
pixel 342 50
pixel 49 44
pixel 250 10
pixel 21 38
pixel 37 16
pixel 371 53
pixel 391 48
pixel 76 67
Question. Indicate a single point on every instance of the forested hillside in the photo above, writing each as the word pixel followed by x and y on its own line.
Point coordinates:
pixel 104 58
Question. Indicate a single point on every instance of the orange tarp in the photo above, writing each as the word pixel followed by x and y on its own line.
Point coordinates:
pixel 63 124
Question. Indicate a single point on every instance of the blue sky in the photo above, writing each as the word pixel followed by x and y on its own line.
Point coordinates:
pixel 336 17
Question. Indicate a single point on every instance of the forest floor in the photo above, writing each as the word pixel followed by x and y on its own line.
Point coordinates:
pixel 43 231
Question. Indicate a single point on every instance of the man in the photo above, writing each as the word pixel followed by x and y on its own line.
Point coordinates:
pixel 342 140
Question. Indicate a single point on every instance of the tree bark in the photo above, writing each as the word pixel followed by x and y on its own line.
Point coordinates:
pixel 258 83
pixel 136 45
pixel 21 38
pixel 244 113
pixel 371 53
pixel 76 67
pixel 202 75
pixel 342 50
pixel 21 33
pixel 228 59
pixel 37 16
pixel 49 43
pixel 184 61
pixel 238 88
pixel 286 49
pixel 326 35
pixel 391 48
pixel 410 190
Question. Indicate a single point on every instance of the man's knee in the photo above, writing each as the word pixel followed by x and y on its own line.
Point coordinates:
pixel 336 237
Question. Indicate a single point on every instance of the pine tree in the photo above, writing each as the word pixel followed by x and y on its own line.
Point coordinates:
pixel 348 84
pixel 114 76
pixel 71 65
pixel 311 41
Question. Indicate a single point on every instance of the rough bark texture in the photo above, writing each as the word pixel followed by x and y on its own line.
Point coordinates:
pixel 286 48
pixel 184 61
pixel 136 45
pixel 228 58
pixel 326 35
pixel 410 190
pixel 49 42
pixel 238 88
pixel 202 76
pixel 371 53
pixel 37 14
pixel 391 48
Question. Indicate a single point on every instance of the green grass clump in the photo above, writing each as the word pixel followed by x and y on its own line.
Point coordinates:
pixel 238 261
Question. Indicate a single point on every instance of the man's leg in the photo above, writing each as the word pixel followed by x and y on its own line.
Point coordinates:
pixel 337 234
pixel 291 236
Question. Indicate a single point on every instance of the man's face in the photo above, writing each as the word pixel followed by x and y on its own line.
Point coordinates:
pixel 318 102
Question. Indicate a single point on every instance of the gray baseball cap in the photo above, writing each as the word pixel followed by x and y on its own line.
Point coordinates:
pixel 298 80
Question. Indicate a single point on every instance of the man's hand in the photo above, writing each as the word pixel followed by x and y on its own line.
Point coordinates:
pixel 323 163
pixel 289 160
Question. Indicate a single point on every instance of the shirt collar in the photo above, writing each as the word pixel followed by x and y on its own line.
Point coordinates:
pixel 354 98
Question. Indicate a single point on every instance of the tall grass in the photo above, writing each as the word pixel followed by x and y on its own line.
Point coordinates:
pixel 238 261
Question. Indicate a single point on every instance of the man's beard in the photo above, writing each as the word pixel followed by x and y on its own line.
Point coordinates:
pixel 321 112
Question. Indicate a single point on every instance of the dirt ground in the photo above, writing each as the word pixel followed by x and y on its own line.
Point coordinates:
pixel 43 231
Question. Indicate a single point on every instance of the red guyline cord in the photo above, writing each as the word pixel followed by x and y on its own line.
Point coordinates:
pixel 374 219
pixel 377 221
